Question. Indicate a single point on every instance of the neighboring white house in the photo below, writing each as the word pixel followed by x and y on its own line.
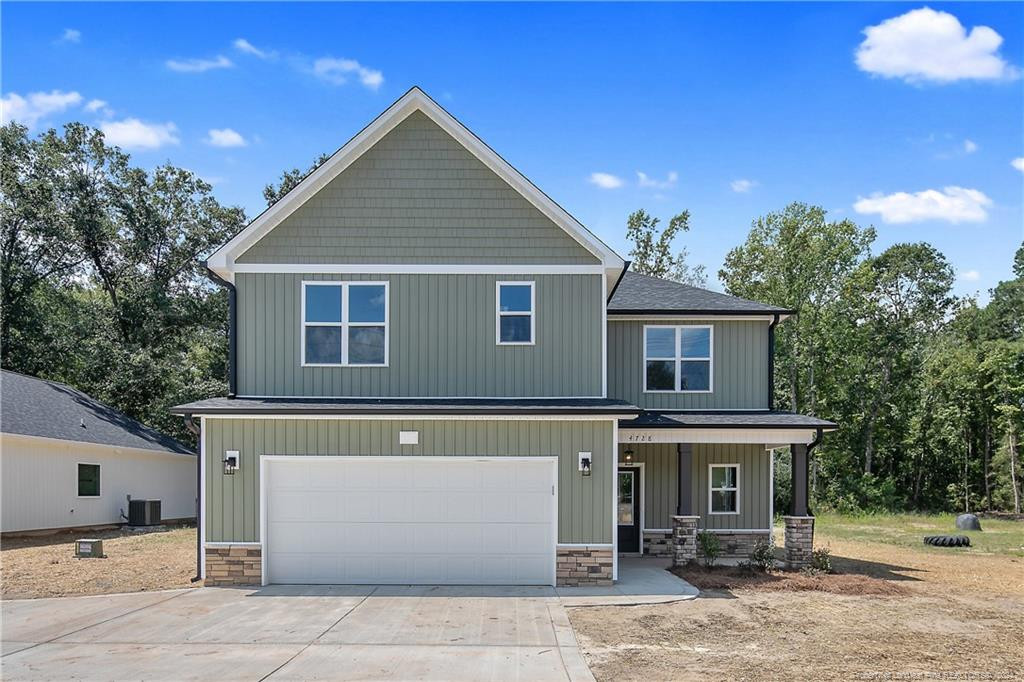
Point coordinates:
pixel 68 460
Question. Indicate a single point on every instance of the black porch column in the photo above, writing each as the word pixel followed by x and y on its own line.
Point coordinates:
pixel 798 503
pixel 684 493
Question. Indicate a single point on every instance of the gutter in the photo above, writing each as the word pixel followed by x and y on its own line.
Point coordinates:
pixel 619 280
pixel 190 424
pixel 771 359
pixel 232 330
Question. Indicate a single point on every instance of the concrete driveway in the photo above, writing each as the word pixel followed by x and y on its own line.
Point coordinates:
pixel 294 632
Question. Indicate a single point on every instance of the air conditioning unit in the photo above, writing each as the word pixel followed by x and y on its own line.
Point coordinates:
pixel 144 513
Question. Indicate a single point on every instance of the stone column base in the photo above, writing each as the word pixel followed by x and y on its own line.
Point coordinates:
pixel 233 565
pixel 583 566
pixel 799 541
pixel 684 539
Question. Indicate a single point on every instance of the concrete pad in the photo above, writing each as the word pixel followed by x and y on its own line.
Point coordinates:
pixel 40 620
pixel 472 591
pixel 293 615
pixel 11 647
pixel 57 661
pixel 372 662
pixel 642 580
pixel 454 620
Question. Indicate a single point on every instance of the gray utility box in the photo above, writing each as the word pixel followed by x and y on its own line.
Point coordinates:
pixel 144 513
pixel 89 548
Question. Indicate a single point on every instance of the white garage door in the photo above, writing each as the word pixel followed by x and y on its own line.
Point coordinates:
pixel 391 520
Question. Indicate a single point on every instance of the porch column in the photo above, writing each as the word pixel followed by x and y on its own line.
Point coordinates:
pixel 684 539
pixel 798 499
pixel 799 536
pixel 684 490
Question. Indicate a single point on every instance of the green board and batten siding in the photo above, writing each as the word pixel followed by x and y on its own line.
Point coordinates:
pixel 661 464
pixel 740 366
pixel 442 340
pixel 418 196
pixel 232 502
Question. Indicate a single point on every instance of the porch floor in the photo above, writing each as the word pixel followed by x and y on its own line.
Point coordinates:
pixel 642 580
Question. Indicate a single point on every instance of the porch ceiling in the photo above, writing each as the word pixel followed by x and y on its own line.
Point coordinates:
pixel 764 427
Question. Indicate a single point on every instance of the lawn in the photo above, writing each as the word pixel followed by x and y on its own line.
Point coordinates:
pixel 46 566
pixel 898 609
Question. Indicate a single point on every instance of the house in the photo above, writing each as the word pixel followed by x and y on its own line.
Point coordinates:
pixel 438 375
pixel 67 460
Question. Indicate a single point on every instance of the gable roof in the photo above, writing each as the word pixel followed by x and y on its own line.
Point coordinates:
pixel 47 409
pixel 222 260
pixel 639 294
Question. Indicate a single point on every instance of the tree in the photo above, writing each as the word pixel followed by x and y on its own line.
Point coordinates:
pixel 652 249
pixel 289 179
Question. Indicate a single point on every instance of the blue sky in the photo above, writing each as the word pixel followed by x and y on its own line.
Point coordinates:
pixel 730 110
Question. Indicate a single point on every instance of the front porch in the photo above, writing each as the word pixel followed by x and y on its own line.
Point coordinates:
pixel 684 472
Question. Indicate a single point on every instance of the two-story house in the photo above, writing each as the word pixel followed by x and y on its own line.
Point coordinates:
pixel 437 375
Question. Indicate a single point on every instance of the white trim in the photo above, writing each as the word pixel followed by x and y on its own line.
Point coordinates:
pixel 99 483
pixel 615 496
pixel 552 460
pixel 643 475
pixel 694 317
pixel 201 521
pixel 582 545
pixel 345 325
pixel 736 489
pixel 657 530
pixel 222 261
pixel 750 436
pixel 405 417
pixel 417 269
pixel 678 359
pixel 499 313
pixel 604 339
pixel 118 449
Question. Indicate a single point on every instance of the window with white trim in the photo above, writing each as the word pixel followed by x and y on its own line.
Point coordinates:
pixel 724 489
pixel 515 315
pixel 344 324
pixel 677 359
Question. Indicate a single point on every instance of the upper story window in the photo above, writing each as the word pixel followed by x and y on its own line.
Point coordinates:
pixel 344 324
pixel 677 359
pixel 515 319
pixel 724 489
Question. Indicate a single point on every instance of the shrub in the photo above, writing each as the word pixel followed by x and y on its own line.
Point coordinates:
pixel 710 547
pixel 821 560
pixel 763 555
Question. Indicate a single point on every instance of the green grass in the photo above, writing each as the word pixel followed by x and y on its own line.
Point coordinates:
pixel 907 530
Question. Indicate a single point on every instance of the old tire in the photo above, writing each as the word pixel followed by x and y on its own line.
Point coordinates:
pixel 948 540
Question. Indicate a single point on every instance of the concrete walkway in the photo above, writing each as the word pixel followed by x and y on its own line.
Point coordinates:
pixel 306 632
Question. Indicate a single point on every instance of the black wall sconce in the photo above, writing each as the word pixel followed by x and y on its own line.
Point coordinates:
pixel 585 461
pixel 231 462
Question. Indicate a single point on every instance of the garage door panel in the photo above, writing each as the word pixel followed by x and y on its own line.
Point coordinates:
pixel 386 520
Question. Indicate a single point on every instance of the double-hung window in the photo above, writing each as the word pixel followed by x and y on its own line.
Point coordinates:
pixel 88 480
pixel 677 359
pixel 344 324
pixel 515 316
pixel 724 489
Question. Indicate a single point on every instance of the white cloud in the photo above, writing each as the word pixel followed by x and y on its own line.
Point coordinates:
pixel 742 185
pixel 199 65
pixel 605 180
pixel 970 146
pixel 1018 163
pixel 30 109
pixel 243 45
pixel 70 35
pixel 926 45
pixel 225 137
pixel 131 133
pixel 970 275
pixel 95 105
pixel 951 204
pixel 643 181
pixel 338 71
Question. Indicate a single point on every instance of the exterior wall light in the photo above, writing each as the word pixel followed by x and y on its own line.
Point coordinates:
pixel 629 455
pixel 585 461
pixel 231 462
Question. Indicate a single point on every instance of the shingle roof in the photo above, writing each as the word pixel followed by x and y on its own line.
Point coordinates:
pixel 639 294
pixel 739 420
pixel 515 406
pixel 35 407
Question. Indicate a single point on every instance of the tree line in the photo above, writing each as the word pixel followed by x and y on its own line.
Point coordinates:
pixel 102 287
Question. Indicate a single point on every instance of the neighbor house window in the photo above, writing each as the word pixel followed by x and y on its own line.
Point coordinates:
pixel 515 322
pixel 88 480
pixel 724 497
pixel 677 359
pixel 345 324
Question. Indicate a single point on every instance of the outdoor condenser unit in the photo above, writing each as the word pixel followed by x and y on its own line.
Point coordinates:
pixel 144 512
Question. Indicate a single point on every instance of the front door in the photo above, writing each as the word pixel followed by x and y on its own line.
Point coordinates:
pixel 629 509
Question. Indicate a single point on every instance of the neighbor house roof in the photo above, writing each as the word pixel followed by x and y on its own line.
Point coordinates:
pixel 511 406
pixel 47 409
pixel 727 420
pixel 638 294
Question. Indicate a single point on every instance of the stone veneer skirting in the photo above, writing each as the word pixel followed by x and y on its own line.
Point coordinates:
pixel 658 543
pixel 734 545
pixel 583 566
pixel 233 565
pixel 799 541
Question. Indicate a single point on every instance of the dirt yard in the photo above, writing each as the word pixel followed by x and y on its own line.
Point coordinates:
pixel 46 566
pixel 892 612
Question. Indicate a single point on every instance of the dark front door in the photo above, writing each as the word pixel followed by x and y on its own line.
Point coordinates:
pixel 629 509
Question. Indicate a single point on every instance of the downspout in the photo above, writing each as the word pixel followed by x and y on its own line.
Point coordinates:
pixel 190 424
pixel 771 360
pixel 232 330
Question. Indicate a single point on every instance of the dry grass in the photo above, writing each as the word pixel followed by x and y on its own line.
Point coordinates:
pixel 46 566
pixel 905 612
